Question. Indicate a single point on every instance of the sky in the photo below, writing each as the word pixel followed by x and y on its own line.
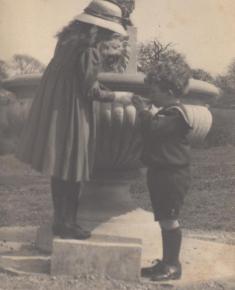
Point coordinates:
pixel 203 30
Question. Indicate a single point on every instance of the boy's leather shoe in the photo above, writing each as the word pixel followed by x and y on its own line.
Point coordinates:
pixel 168 272
pixel 71 232
pixel 157 265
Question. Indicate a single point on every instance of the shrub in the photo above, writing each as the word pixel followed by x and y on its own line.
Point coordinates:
pixel 15 115
pixel 223 128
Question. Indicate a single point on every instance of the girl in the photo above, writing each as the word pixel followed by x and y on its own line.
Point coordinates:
pixel 59 137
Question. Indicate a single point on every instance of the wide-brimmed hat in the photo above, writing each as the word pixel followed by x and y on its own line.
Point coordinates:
pixel 103 14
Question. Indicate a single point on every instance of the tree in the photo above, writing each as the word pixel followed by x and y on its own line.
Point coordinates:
pixel 154 52
pixel 24 64
pixel 200 74
pixel 227 84
pixel 222 82
pixel 3 70
pixel 231 76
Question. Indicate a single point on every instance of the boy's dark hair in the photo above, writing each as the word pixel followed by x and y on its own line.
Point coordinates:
pixel 169 76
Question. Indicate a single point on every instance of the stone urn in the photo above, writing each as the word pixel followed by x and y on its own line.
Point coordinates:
pixel 106 206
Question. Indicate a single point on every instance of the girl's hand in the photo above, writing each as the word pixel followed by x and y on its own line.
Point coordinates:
pixel 138 103
pixel 141 103
pixel 124 98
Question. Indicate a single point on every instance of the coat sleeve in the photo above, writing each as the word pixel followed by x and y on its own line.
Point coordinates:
pixel 92 89
pixel 167 123
pixel 146 118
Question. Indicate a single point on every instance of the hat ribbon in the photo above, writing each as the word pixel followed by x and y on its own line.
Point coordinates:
pixel 104 16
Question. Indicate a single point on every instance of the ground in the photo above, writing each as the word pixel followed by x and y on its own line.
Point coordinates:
pixel 208 213
pixel 42 282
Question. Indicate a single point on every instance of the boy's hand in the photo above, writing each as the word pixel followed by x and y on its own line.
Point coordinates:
pixel 124 98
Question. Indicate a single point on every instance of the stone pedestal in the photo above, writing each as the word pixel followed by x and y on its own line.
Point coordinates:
pixel 104 201
pixel 132 64
pixel 100 255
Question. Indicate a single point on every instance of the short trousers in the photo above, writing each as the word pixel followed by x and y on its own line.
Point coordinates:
pixel 167 189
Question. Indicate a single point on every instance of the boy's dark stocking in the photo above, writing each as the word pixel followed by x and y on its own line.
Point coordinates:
pixel 171 241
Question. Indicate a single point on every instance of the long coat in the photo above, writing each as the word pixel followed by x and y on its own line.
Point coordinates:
pixel 59 136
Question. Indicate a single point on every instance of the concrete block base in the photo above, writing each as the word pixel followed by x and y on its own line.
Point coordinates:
pixel 118 258
pixel 44 238
pixel 28 264
pixel 18 234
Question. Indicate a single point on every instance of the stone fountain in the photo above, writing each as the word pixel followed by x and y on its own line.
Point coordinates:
pixel 106 206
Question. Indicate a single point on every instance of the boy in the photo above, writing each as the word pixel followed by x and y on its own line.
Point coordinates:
pixel 167 156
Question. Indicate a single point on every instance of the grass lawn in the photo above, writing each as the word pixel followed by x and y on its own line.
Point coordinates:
pixel 25 198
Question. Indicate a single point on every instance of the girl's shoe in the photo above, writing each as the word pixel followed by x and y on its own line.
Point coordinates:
pixel 71 232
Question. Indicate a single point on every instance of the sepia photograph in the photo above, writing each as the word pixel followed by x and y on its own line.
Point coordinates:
pixel 117 144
